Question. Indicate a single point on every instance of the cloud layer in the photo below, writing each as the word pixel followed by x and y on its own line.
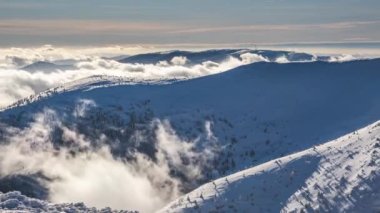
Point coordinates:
pixel 16 83
pixel 74 64
pixel 93 175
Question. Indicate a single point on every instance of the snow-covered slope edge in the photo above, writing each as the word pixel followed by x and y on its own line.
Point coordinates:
pixel 88 83
pixel 339 176
pixel 16 202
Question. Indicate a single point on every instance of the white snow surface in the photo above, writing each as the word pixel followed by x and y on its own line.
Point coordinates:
pixel 18 203
pixel 342 175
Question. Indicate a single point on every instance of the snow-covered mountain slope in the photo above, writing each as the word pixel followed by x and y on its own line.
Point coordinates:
pixel 16 202
pixel 95 81
pixel 339 176
pixel 254 113
pixel 266 104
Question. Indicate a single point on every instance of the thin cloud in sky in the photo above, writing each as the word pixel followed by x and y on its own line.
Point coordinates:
pixel 280 27
pixel 70 27
pixel 96 22
pixel 37 27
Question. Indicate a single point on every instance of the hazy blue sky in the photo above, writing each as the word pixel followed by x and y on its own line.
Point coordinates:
pixel 101 22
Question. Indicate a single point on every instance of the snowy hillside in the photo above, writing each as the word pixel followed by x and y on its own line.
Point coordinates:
pixel 262 101
pixel 163 138
pixel 16 202
pixel 339 176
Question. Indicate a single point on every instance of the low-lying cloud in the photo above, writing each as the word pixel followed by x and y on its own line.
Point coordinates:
pixel 93 175
pixel 342 58
pixel 16 83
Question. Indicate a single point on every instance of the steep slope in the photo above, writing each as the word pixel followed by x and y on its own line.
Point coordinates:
pixel 339 176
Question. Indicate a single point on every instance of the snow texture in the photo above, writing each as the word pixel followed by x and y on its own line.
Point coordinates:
pixel 16 202
pixel 342 175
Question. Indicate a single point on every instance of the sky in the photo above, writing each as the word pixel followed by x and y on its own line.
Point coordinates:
pixel 195 22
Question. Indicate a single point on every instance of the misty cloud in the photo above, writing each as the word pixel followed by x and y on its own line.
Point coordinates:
pixel 179 60
pixel 342 58
pixel 16 83
pixel 68 65
pixel 93 175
